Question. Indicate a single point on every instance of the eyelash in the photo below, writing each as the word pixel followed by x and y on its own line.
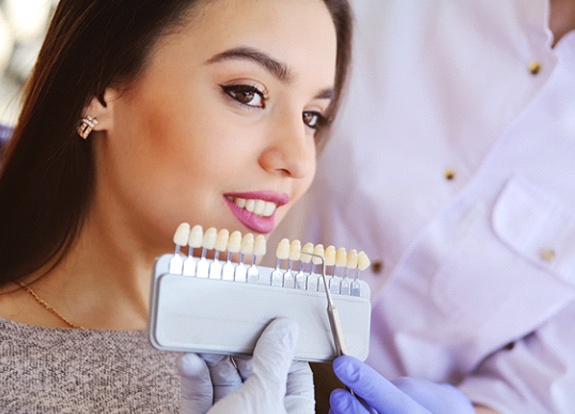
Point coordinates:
pixel 237 91
pixel 320 120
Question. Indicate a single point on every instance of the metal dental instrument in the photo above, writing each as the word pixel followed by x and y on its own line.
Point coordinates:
pixel 332 312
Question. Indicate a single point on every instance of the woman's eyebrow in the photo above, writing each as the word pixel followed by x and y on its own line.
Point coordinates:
pixel 328 93
pixel 278 69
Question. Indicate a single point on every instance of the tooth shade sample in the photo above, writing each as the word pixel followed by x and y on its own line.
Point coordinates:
pixel 307 248
pixel 329 256
pixel 294 250
pixel 235 242
pixel 196 236
pixel 181 235
pixel 260 246
pixel 222 240
pixel 341 257
pixel 352 258
pixel 282 251
pixel 209 240
pixel 247 246
pixel 362 261
pixel 318 251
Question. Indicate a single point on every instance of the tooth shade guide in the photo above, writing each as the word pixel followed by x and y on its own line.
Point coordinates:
pixel 295 250
pixel 253 275
pixel 312 282
pixel 203 267
pixel 181 235
pixel 283 249
pixel 209 239
pixel 189 266
pixel 277 276
pixel 341 257
pixel 222 240
pixel 259 250
pixel 329 256
pixel 288 280
pixel 196 237
pixel 235 242
pixel 180 239
pixel 216 267
pixel 301 279
pixel 259 246
pixel 334 284
pixel 194 299
pixel 249 247
pixel 363 261
pixel 345 287
pixel 307 248
pixel 240 272
pixel 176 264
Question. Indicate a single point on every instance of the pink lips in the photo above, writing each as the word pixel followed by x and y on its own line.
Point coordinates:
pixel 258 224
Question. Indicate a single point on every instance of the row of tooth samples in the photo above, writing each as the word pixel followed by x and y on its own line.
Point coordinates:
pixel 220 242
pixel 314 258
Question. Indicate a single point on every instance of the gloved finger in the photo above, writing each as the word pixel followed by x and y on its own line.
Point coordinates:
pixel 376 391
pixel 342 402
pixel 197 391
pixel 273 353
pixel 244 365
pixel 224 374
pixel 300 396
pixel 265 389
pixel 439 398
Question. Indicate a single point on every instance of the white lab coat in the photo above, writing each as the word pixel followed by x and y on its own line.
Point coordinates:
pixel 478 279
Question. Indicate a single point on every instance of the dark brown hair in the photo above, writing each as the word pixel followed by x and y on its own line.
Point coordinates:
pixel 46 180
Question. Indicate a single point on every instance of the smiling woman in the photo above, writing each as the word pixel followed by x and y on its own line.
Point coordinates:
pixel 139 115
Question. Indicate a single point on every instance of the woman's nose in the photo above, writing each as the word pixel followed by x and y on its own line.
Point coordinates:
pixel 290 149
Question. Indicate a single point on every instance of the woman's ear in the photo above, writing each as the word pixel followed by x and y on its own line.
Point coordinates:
pixel 101 108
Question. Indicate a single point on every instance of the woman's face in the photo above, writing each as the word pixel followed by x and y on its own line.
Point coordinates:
pixel 219 128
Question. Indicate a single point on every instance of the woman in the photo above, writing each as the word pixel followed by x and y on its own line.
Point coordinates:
pixel 140 115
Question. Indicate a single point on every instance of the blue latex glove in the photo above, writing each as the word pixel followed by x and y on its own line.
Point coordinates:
pixel 404 396
pixel 269 382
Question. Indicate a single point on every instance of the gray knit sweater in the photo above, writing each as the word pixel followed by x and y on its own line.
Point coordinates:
pixel 46 370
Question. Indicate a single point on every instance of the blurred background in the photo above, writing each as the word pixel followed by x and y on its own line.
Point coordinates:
pixel 22 27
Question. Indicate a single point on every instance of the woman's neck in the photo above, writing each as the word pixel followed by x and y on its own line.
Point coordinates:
pixel 102 283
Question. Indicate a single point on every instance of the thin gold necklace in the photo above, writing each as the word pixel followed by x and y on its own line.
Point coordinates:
pixel 48 307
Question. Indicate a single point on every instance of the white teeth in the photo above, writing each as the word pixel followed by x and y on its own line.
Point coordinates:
pixel 269 209
pixel 240 202
pixel 258 207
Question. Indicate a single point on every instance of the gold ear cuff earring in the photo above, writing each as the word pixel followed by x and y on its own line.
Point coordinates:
pixel 86 126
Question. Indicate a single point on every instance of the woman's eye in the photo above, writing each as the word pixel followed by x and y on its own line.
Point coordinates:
pixel 246 95
pixel 313 119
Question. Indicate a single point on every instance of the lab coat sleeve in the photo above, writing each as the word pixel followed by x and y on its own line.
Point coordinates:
pixel 534 374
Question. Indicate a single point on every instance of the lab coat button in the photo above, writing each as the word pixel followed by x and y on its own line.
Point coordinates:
pixel 377 266
pixel 449 174
pixel 534 67
pixel 547 255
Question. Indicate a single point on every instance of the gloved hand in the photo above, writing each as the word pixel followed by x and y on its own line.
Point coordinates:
pixel 266 383
pixel 404 396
